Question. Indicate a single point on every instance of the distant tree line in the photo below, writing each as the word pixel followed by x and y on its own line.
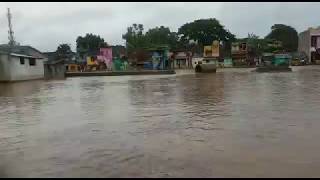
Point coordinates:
pixel 197 33
pixel 194 35
pixel 287 36
pixel 191 36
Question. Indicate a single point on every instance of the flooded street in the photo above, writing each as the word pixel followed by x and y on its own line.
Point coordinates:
pixel 234 123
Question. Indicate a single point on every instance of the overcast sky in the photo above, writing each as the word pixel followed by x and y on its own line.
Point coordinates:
pixel 46 25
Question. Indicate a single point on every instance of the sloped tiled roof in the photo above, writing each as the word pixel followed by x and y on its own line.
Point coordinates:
pixel 24 50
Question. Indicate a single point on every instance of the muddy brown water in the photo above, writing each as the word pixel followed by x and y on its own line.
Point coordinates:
pixel 234 123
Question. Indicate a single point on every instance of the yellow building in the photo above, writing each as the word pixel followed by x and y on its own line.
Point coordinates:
pixel 212 50
pixel 72 67
pixel 91 61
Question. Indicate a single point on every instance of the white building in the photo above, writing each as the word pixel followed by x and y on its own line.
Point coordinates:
pixel 21 63
pixel 309 43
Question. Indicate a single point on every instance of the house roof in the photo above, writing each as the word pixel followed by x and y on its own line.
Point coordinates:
pixel 52 56
pixel 181 54
pixel 22 51
pixel 54 61
pixel 158 48
pixel 20 55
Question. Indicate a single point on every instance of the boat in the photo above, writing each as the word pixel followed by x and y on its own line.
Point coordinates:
pixel 206 65
pixel 209 62
pixel 274 63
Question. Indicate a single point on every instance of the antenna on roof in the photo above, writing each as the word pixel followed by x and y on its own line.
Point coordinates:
pixel 10 32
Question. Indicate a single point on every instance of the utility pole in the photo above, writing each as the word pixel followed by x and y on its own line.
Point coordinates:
pixel 10 32
pixel 11 38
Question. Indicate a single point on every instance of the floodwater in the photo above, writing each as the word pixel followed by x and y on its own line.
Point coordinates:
pixel 234 123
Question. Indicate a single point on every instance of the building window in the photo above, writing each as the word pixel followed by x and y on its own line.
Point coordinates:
pixel 243 46
pixel 21 60
pixel 32 61
pixel 313 41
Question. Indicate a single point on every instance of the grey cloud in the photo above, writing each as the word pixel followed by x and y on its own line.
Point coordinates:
pixel 46 25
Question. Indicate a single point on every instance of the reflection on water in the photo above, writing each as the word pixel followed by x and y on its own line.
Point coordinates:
pixel 231 124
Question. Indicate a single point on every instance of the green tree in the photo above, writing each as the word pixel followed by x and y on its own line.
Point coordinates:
pixel 205 31
pixel 136 42
pixel 90 44
pixel 286 34
pixel 135 37
pixel 255 44
pixel 63 51
pixel 162 36
pixel 253 40
pixel 273 46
